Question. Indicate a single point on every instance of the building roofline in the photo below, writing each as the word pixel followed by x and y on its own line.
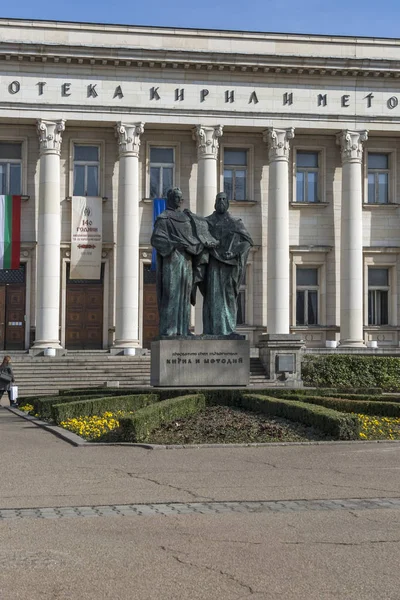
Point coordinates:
pixel 4 21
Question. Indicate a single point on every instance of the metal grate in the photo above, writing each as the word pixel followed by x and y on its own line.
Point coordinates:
pixel 149 276
pixel 13 275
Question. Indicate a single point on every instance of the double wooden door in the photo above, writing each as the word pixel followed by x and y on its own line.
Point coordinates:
pixel 84 314
pixel 150 308
pixel 12 316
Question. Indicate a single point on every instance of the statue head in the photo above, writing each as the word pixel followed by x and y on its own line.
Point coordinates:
pixel 221 203
pixel 174 198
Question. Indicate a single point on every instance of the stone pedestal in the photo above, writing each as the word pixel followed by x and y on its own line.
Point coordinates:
pixel 200 363
pixel 280 355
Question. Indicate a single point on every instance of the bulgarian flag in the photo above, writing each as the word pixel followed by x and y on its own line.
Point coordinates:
pixel 10 231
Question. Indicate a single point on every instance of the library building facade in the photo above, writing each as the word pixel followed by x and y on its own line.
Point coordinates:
pixel 302 133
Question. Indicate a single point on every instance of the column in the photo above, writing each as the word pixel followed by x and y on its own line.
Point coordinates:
pixel 127 276
pixel 49 236
pixel 278 276
pixel 351 257
pixel 207 156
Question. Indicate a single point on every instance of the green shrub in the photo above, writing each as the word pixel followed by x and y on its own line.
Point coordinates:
pixel 351 371
pixel 338 425
pixel 97 406
pixel 42 406
pixel 138 427
pixel 353 405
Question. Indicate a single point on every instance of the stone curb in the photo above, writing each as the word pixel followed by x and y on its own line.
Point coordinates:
pixel 77 441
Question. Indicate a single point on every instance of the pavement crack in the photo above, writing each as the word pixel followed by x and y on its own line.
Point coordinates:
pixel 169 485
pixel 249 589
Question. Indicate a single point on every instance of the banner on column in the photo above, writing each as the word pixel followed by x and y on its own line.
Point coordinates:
pixel 10 231
pixel 86 237
pixel 159 205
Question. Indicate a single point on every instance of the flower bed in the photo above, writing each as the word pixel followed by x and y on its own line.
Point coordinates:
pixel 379 428
pixel 94 427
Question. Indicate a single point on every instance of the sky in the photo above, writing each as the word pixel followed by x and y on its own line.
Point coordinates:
pixel 330 17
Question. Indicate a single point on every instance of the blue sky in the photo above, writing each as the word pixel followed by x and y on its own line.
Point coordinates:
pixel 336 17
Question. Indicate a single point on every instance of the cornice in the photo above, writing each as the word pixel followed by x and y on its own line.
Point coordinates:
pixel 139 58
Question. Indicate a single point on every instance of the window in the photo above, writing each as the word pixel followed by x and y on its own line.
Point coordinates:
pixel 378 178
pixel 86 170
pixel 162 168
pixel 378 296
pixel 235 174
pixel 10 168
pixel 306 296
pixel 307 176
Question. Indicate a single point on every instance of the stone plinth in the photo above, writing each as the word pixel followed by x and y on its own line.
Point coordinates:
pixel 199 362
pixel 280 355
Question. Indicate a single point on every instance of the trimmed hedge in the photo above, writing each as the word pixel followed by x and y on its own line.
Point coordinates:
pixel 42 406
pixel 136 428
pixel 97 406
pixel 365 407
pixel 351 371
pixel 339 425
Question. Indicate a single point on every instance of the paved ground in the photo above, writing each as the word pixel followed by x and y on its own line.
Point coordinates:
pixel 275 522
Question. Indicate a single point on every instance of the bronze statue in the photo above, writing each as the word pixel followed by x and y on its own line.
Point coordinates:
pixel 225 270
pixel 176 243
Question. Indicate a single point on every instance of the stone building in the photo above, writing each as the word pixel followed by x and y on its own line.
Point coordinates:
pixel 301 131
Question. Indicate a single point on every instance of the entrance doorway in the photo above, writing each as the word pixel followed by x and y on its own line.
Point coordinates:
pixel 84 313
pixel 12 308
pixel 150 308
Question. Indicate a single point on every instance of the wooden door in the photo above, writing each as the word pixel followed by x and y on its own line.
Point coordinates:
pixel 84 316
pixel 15 316
pixel 150 308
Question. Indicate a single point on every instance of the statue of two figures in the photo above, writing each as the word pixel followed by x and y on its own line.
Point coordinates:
pixel 209 253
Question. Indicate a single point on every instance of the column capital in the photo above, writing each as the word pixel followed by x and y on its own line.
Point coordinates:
pixel 207 140
pixel 128 136
pixel 278 142
pixel 351 144
pixel 50 138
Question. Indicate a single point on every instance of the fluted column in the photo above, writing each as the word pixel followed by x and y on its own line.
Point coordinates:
pixel 351 257
pixel 207 156
pixel 49 236
pixel 278 306
pixel 127 276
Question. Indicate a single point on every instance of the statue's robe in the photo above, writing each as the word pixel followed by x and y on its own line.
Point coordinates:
pixel 223 276
pixel 175 244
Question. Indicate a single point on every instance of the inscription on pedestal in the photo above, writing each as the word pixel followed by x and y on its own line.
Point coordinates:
pixel 285 363
pixel 200 363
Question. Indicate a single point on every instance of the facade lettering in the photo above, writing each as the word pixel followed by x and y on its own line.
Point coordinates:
pixel 14 87
pixel 41 85
pixel 253 98
pixel 203 94
pixel 65 89
pixel 322 99
pixel 91 90
pixel 118 92
pixel 154 95
pixel 369 100
pixel 288 98
pixel 393 102
pixel 229 96
pixel 345 100
pixel 179 94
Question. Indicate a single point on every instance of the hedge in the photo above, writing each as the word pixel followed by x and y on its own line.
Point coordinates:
pixel 338 425
pixel 97 406
pixel 365 407
pixel 42 406
pixel 351 371
pixel 137 428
